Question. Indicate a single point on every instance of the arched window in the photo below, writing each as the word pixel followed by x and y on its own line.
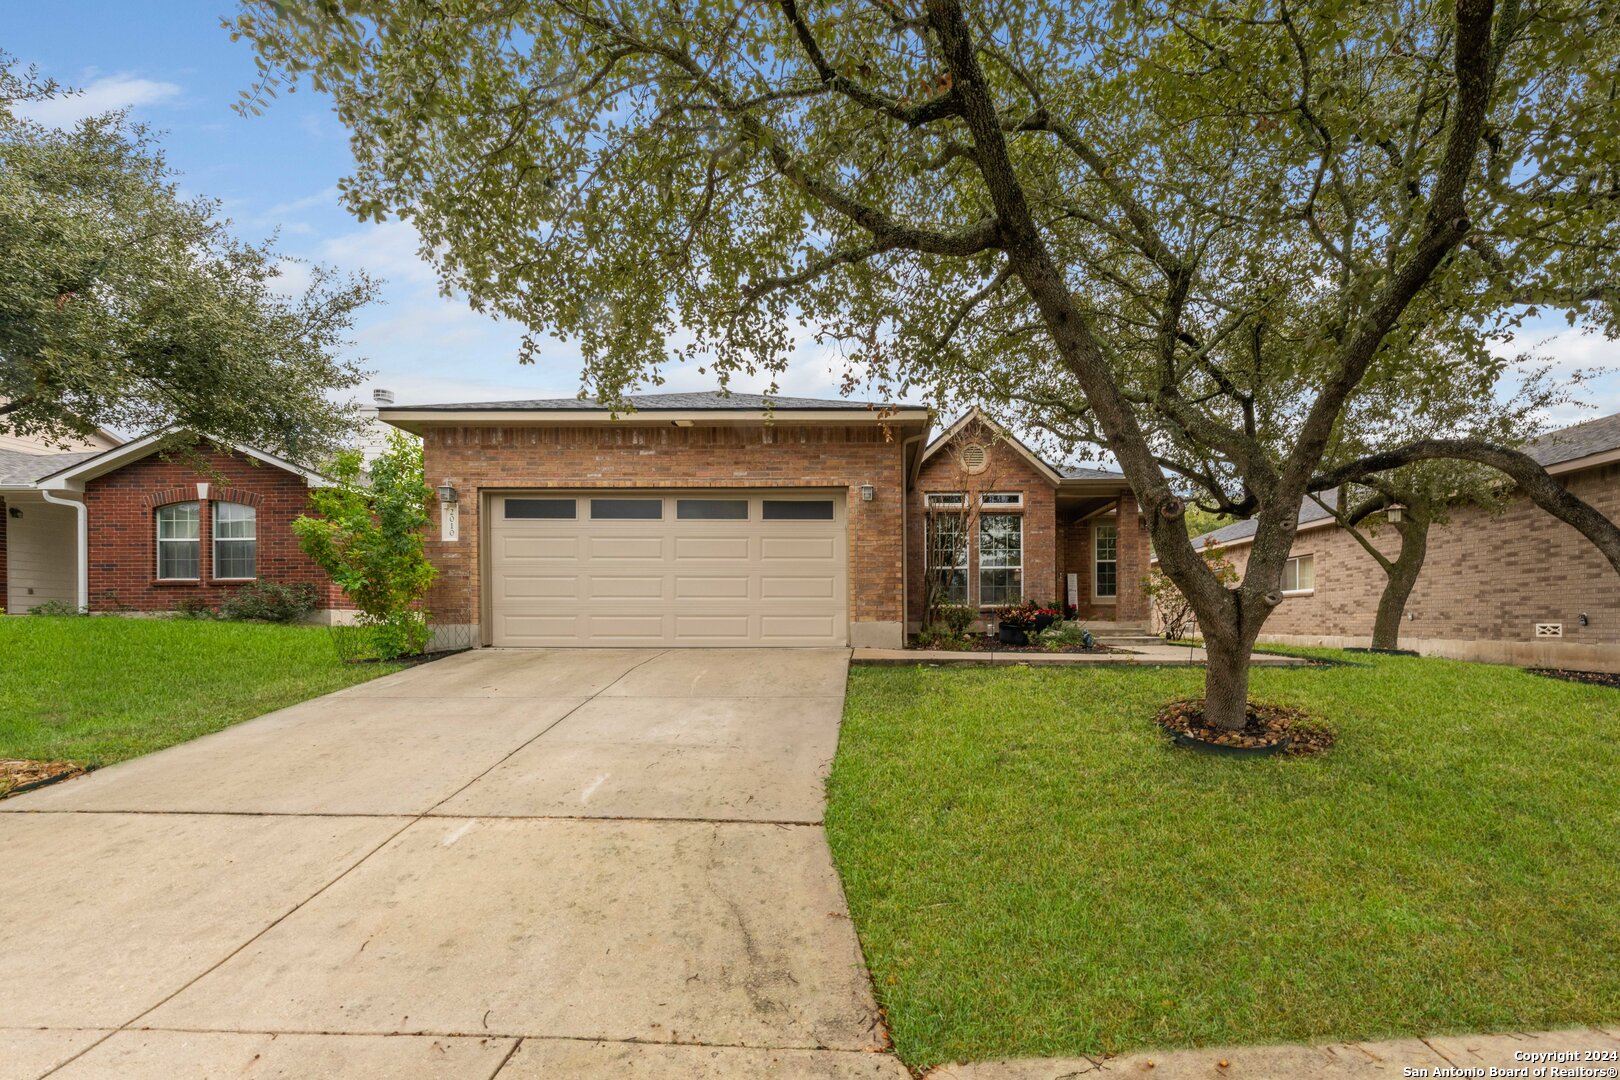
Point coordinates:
pixel 179 545
pixel 235 540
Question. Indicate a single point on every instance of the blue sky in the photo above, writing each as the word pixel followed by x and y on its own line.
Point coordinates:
pixel 180 72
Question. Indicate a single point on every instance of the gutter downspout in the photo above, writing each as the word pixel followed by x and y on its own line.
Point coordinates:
pixel 908 480
pixel 83 584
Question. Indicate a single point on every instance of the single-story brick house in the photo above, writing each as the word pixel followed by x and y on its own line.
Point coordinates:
pixel 710 519
pixel 1520 587
pixel 128 528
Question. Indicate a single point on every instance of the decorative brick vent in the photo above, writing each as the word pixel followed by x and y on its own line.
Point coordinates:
pixel 1549 629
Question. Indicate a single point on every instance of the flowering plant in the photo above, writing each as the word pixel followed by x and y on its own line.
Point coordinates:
pixel 1026 614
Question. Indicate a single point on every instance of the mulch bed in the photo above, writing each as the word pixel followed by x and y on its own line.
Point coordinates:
pixel 1590 678
pixel 1267 726
pixel 19 776
pixel 985 643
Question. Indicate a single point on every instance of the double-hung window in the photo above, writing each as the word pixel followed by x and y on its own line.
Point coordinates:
pixel 1001 559
pixel 1105 582
pixel 948 555
pixel 179 543
pixel 235 540
pixel 1299 575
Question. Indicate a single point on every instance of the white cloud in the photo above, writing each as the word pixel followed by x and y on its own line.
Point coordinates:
pixel 100 95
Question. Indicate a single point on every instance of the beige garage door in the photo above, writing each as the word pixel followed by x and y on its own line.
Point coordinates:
pixel 677 568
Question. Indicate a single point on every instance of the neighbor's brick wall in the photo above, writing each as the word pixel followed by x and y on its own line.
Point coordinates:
pixel 1486 577
pixel 480 458
pixel 1006 471
pixel 123 531
pixel 5 516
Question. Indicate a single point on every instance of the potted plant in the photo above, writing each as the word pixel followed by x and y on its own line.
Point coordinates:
pixel 1015 622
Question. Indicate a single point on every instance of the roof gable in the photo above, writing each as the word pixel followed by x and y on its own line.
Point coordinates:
pixel 975 415
pixel 73 475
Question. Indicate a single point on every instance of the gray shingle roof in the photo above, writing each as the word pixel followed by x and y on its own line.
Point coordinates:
pixel 685 402
pixel 1581 440
pixel 1081 472
pixel 17 467
pixel 1309 511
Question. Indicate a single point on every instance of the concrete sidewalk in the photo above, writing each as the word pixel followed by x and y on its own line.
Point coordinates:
pixel 1450 1055
pixel 585 863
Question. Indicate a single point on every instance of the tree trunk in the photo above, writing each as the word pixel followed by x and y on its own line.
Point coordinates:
pixel 1402 575
pixel 1226 681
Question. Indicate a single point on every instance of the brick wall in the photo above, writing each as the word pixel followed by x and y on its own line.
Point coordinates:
pixel 1486 577
pixel 5 516
pixel 484 458
pixel 123 531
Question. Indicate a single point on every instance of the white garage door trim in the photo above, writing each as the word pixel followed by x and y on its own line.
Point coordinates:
pixel 695 575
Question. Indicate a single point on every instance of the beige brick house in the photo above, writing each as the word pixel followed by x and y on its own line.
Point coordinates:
pixel 709 519
pixel 1518 587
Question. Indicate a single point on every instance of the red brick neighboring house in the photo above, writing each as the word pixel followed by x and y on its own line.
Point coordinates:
pixel 709 519
pixel 1520 587
pixel 129 529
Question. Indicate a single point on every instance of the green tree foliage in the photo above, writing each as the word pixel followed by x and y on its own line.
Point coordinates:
pixel 124 305
pixel 1194 234
pixel 367 533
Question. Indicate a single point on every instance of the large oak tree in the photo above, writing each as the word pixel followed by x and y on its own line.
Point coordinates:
pixel 124 304
pixel 1194 232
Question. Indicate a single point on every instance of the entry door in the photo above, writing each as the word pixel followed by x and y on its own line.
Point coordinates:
pixel 699 568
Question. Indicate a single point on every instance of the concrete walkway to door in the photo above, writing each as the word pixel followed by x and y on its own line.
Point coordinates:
pixel 586 863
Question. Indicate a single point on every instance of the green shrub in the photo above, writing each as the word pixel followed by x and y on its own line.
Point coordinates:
pixel 939 636
pixel 270 601
pixel 368 537
pixel 55 607
pixel 1065 635
pixel 194 607
pixel 956 618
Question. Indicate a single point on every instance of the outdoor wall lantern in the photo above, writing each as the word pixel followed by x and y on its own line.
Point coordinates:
pixel 16 511
pixel 1584 620
pixel 867 492
pixel 448 494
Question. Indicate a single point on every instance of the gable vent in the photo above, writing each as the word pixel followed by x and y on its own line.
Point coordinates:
pixel 975 457
pixel 1549 629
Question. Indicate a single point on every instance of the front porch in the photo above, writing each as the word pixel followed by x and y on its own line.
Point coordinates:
pixel 39 546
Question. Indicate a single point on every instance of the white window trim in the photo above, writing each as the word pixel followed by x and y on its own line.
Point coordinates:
pixel 967 554
pixel 938 500
pixel 1096 597
pixel 160 540
pixel 976 574
pixel 1016 504
pixel 213 528
pixel 1295 559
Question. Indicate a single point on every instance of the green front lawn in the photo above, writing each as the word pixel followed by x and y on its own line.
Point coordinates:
pixel 100 690
pixel 1034 871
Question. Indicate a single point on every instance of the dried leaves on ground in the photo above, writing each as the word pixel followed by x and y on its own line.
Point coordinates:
pixel 1267 725
pixel 16 775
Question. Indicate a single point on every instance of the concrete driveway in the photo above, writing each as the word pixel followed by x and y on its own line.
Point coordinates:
pixel 569 863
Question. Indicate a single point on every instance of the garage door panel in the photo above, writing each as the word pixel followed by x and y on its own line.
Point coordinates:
pixel 550 586
pixel 794 548
pixel 624 587
pixel 693 580
pixel 711 587
pixel 782 628
pixel 818 587
pixel 515 546
pixel 610 627
pixel 708 629
pixel 723 548
pixel 648 548
pixel 557 627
